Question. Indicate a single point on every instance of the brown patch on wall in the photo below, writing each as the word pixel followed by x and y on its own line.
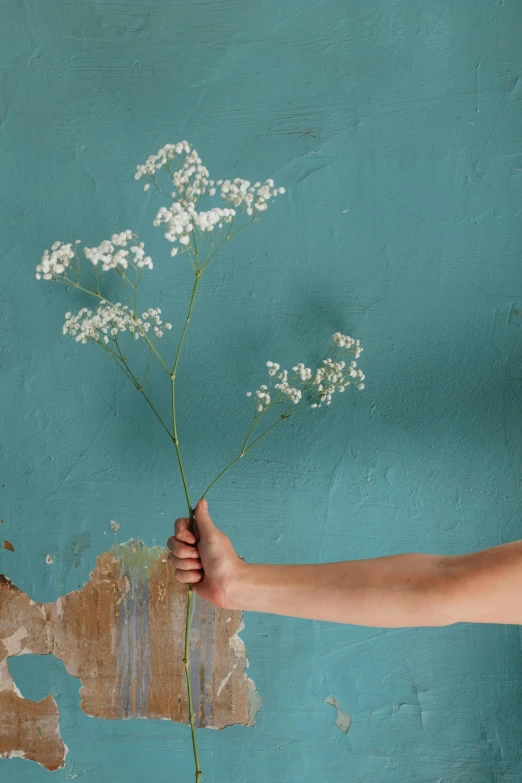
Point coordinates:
pixel 122 635
pixel 28 729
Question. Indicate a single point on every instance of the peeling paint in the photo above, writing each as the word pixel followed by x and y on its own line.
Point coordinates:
pixel 343 719
pixel 122 635
pixel 255 702
pixel 223 683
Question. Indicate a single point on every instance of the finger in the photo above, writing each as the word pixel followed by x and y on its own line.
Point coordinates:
pixel 185 565
pixel 182 531
pixel 189 577
pixel 205 524
pixel 180 549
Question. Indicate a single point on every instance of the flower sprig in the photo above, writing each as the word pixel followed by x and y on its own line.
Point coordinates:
pixel 332 375
pixel 203 214
pixel 111 320
pixel 191 183
pixel 112 253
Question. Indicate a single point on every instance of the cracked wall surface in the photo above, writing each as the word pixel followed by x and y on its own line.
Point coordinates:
pixel 122 636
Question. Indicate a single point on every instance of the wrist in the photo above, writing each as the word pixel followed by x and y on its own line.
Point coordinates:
pixel 237 588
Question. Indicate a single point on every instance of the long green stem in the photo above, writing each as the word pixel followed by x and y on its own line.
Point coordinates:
pixel 192 298
pixel 190 592
pixel 176 445
pixel 186 664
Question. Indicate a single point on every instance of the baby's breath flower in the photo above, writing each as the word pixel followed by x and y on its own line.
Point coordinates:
pixel 304 373
pixel 108 321
pixel 333 375
pixel 284 387
pixel 191 181
pixel 343 341
pixel 55 261
pixel 263 398
pixel 113 253
pixel 156 162
pixel 181 221
pixel 251 198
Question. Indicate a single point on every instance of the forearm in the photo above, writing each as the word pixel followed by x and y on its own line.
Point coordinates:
pixel 397 591
pixel 387 592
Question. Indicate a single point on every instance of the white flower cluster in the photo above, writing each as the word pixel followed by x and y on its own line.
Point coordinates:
pixel 156 162
pixel 304 373
pixel 112 253
pixel 253 198
pixel 284 388
pixel 153 317
pixel 335 376
pixel 108 321
pixel 330 377
pixel 55 261
pixel 343 341
pixel 180 221
pixel 263 398
pixel 191 181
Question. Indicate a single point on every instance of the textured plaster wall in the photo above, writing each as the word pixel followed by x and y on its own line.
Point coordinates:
pixel 395 127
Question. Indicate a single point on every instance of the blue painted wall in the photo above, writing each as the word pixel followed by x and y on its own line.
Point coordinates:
pixel 395 126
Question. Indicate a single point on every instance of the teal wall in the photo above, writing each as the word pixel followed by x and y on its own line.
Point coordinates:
pixel 395 127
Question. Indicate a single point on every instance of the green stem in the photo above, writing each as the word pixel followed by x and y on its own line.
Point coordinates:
pixel 168 195
pixel 228 236
pixel 190 593
pixel 176 445
pixel 173 393
pixel 245 451
pixel 194 290
pixel 186 664
pixel 140 388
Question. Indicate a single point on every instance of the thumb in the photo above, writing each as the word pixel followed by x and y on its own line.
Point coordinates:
pixel 202 517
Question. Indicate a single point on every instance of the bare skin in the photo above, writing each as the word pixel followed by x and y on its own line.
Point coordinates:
pixel 397 591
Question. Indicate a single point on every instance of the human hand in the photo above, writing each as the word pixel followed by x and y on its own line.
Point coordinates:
pixel 206 558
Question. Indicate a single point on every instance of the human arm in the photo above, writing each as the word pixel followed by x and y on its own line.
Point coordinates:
pixel 402 590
